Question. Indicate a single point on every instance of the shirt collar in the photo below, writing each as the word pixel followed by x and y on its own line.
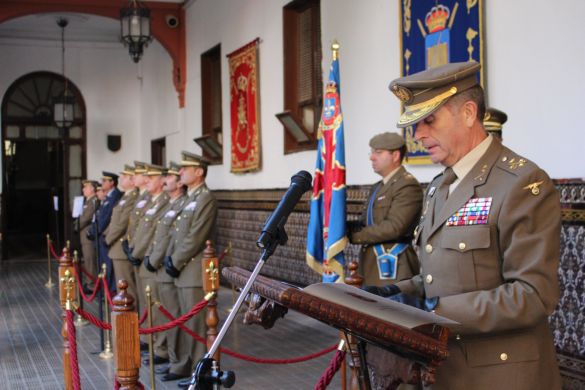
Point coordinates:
pixel 387 178
pixel 464 166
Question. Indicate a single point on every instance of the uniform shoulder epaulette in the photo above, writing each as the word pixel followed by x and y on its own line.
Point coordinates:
pixel 514 163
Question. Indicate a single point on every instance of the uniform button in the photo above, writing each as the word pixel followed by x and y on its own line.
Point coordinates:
pixel 504 356
pixel 429 279
pixel 428 248
pixel 179 218
pixel 462 246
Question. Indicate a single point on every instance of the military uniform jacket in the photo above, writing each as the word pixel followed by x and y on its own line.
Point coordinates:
pixel 192 228
pixel 146 228
pixel 104 212
pixel 86 219
pixel 162 236
pixel 396 211
pixel 143 203
pixel 497 278
pixel 116 231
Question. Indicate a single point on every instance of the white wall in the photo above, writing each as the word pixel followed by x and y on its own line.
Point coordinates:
pixel 106 77
pixel 535 61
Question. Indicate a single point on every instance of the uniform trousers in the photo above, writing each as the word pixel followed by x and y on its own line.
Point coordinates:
pixel 125 270
pixel 104 259
pixel 189 350
pixel 89 261
pixel 160 340
pixel 169 298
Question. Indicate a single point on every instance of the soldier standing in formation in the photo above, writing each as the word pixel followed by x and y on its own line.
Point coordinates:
pixel 86 219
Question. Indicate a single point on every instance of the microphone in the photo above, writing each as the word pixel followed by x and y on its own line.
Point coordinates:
pixel 299 184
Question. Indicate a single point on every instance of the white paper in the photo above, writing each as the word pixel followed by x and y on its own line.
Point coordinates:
pixel 77 206
pixel 56 203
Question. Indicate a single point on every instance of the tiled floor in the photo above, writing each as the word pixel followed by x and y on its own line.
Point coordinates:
pixel 31 345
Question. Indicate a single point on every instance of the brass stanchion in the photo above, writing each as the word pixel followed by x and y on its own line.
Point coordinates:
pixel 49 283
pixel 150 337
pixel 79 321
pixel 107 352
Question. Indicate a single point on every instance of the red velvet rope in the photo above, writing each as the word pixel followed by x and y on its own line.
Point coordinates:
pixel 155 329
pixel 329 373
pixel 73 350
pixel 247 357
pixel 96 288
pixel 176 321
pixel 143 318
pixel 53 251
pixel 108 294
pixel 90 317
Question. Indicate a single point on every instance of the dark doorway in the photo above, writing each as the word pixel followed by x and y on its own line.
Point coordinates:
pixel 43 167
pixel 158 152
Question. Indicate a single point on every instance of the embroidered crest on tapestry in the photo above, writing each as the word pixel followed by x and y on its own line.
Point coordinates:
pixel 244 108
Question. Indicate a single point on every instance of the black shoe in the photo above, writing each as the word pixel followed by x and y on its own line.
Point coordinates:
pixel 184 383
pixel 143 346
pixel 156 360
pixel 162 370
pixel 172 377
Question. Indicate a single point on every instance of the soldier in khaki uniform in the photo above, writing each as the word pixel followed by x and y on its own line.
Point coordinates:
pixel 154 262
pixel 193 227
pixel 493 122
pixel 116 231
pixel 488 240
pixel 86 218
pixel 143 234
pixel 389 217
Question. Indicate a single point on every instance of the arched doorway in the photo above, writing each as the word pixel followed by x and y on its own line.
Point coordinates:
pixel 42 166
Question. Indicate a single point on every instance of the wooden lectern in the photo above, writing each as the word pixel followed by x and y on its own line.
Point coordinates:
pixel 416 340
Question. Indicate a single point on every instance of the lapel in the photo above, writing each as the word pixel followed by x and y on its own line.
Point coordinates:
pixel 385 189
pixel 466 189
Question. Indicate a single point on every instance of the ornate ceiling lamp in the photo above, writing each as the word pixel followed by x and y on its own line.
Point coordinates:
pixel 63 105
pixel 135 24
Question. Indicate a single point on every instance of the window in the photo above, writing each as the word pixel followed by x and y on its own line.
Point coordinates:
pixel 211 140
pixel 303 76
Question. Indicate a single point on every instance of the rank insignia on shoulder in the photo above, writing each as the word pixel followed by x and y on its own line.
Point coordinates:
pixel 382 197
pixel 534 187
pixel 474 212
pixel 515 164
pixel 432 191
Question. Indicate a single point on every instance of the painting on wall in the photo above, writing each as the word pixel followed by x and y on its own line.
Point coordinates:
pixel 434 33
pixel 244 108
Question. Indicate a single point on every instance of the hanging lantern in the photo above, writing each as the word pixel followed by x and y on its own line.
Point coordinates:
pixel 63 105
pixel 135 24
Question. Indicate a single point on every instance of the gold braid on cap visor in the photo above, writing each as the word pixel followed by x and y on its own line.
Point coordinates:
pixel 493 126
pixel 417 111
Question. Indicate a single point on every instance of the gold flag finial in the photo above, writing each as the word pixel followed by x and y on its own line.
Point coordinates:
pixel 335 48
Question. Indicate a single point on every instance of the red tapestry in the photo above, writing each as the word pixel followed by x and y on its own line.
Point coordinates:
pixel 244 108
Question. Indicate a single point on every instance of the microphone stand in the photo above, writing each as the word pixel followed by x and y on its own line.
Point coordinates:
pixel 207 375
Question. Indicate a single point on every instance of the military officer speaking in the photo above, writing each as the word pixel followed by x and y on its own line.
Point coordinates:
pixel 488 240
pixel 389 217
pixel 193 227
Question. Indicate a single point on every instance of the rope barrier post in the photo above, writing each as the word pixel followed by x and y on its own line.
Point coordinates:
pixel 150 336
pixel 126 338
pixel 354 279
pixel 210 265
pixel 49 283
pixel 107 352
pixel 65 296
pixel 79 321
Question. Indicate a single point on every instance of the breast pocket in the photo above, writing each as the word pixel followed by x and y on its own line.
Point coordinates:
pixel 465 245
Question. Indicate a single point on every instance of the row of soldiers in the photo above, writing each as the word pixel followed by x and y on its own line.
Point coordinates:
pixel 153 233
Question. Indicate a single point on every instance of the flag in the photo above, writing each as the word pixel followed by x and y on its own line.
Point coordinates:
pixel 326 238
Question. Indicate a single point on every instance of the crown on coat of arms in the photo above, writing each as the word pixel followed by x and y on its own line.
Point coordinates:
pixel 436 18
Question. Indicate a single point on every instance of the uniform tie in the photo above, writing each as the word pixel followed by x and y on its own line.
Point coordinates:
pixel 449 177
